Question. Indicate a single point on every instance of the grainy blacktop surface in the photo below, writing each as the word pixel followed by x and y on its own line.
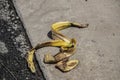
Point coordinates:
pixel 98 46
pixel 14 44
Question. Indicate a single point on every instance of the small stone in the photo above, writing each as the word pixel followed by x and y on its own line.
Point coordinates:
pixel 3 48
pixel 113 34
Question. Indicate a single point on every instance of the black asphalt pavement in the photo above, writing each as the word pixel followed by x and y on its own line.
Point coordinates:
pixel 14 43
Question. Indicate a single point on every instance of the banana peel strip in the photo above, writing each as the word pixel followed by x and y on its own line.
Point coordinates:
pixel 56 27
pixel 54 43
pixel 30 58
pixel 66 66
pixel 67 45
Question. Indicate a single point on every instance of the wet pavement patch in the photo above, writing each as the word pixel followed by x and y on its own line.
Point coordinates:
pixel 14 44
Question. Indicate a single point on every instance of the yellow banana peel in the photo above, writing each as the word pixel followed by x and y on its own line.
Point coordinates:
pixel 30 58
pixel 56 27
pixel 54 43
pixel 60 25
pixel 67 48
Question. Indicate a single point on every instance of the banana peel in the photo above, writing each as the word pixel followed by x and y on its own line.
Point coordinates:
pixel 48 58
pixel 67 48
pixel 63 54
pixel 56 27
pixel 63 25
pixel 66 66
pixel 29 59
pixel 54 43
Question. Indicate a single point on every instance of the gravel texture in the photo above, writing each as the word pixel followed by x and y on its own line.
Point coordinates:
pixel 14 44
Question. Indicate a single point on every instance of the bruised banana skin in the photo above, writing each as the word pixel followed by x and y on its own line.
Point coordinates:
pixel 64 53
pixel 59 56
pixel 66 66
pixel 66 45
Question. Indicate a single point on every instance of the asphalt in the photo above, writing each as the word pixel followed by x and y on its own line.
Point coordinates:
pixel 14 44
pixel 98 45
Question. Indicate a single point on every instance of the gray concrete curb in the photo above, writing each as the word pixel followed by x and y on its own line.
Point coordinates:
pixel 97 46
